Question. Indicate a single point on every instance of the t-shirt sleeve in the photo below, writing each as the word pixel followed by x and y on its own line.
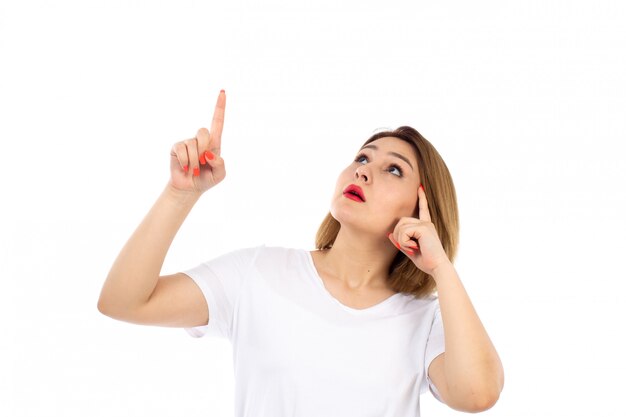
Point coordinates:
pixel 221 280
pixel 434 347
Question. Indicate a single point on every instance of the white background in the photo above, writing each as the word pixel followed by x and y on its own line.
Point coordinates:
pixel 525 101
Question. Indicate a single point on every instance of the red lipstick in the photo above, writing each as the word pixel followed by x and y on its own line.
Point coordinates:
pixel 354 192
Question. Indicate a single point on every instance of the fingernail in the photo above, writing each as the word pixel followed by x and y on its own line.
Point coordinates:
pixel 202 160
pixel 410 251
pixel 209 155
pixel 222 91
pixel 186 168
pixel 396 244
pixel 422 187
pixel 196 172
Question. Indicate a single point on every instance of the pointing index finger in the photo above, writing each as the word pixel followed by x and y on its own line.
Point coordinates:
pixel 217 124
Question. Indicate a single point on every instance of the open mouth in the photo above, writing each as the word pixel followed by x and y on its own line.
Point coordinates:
pixel 354 196
pixel 354 192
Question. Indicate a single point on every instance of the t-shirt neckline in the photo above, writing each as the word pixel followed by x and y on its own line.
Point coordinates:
pixel 320 283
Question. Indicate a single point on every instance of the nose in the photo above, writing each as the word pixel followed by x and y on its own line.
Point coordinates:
pixel 360 172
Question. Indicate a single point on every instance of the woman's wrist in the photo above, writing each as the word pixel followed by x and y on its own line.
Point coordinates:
pixel 181 196
pixel 442 270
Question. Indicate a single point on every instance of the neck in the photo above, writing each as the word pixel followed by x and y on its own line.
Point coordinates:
pixel 359 260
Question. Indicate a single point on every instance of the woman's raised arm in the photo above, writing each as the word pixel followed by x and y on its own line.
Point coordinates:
pixel 196 166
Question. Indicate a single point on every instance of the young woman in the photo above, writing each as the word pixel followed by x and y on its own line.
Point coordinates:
pixel 353 328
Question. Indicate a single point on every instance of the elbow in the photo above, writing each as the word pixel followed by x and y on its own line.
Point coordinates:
pixel 486 393
pixel 485 398
pixel 108 305
pixel 478 391
pixel 480 399
pixel 483 402
pixel 104 307
pixel 116 310
pixel 101 307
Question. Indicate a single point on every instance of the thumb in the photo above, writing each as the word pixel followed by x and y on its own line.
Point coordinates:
pixel 212 158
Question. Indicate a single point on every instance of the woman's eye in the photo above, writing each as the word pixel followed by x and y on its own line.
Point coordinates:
pixel 396 168
pixel 391 167
pixel 358 158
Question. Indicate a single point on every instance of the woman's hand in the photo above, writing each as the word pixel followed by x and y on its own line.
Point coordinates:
pixel 418 239
pixel 196 164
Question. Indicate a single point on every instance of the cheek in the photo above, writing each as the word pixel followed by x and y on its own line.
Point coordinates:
pixel 343 178
pixel 404 202
pixel 340 184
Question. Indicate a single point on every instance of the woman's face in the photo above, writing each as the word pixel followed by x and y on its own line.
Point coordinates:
pixel 386 171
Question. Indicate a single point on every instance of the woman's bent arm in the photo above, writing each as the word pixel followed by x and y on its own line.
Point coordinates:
pixel 134 274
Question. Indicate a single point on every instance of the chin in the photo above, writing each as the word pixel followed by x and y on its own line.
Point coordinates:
pixel 356 221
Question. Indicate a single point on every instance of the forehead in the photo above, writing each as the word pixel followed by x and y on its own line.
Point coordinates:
pixel 393 144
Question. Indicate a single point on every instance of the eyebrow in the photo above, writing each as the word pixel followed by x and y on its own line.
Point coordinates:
pixel 404 158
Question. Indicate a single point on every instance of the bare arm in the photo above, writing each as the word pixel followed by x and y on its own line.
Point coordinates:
pixel 469 375
pixel 135 273
pixel 136 270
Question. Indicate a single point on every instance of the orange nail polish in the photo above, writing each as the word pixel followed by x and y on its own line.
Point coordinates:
pixel 396 244
pixel 202 160
pixel 196 172
pixel 186 168
pixel 209 155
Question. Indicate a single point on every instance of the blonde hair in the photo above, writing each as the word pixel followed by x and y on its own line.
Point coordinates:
pixel 404 276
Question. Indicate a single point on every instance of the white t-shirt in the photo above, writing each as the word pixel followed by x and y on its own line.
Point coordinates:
pixel 298 351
